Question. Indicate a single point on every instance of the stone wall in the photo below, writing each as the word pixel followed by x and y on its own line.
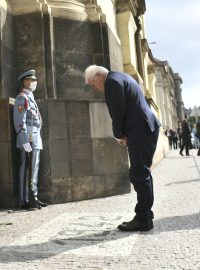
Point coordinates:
pixel 29 47
pixel 73 55
pixel 8 156
pixel 59 39
pixel 7 48
pixel 80 159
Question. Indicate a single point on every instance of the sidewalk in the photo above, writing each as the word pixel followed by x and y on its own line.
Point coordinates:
pixel 83 235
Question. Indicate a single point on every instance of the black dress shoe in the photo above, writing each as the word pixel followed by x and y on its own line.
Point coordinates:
pixel 151 216
pixel 136 225
pixel 181 154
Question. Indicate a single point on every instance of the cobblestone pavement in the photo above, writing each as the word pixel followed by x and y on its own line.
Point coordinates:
pixel 84 235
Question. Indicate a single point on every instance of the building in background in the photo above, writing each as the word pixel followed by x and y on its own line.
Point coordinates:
pixel 59 39
pixel 169 94
pixel 193 116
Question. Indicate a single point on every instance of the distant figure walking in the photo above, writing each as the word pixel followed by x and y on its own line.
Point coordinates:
pixel 175 140
pixel 186 138
pixel 169 134
pixel 179 137
pixel 198 136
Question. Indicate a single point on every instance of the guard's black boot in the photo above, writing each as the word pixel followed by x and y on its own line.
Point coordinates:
pixel 33 203
pixel 40 203
pixel 25 206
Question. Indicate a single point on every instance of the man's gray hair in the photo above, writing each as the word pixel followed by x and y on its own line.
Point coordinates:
pixel 92 70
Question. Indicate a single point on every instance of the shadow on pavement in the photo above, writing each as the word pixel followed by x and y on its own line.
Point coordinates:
pixel 176 223
pixel 55 246
pixel 184 182
pixel 40 251
pixel 175 157
pixel 188 181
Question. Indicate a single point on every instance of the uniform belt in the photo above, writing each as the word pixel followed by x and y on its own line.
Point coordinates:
pixel 33 124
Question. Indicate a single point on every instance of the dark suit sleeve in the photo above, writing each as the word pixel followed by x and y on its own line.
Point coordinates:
pixel 115 100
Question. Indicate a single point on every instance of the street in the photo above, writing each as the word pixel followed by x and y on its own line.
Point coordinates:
pixel 84 235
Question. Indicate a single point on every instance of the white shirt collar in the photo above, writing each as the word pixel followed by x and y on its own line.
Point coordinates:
pixel 28 92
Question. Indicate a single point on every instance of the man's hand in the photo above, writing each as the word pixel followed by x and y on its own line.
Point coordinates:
pixel 122 141
pixel 27 147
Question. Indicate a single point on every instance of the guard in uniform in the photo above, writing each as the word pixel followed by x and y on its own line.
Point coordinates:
pixel 28 123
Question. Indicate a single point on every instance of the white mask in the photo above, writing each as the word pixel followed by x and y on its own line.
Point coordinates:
pixel 33 86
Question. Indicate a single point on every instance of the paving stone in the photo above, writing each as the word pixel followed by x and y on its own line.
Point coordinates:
pixel 84 235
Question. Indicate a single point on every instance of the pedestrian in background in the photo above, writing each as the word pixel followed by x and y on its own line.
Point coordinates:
pixel 175 140
pixel 179 136
pixel 169 135
pixel 28 123
pixel 198 136
pixel 134 125
pixel 194 138
pixel 186 138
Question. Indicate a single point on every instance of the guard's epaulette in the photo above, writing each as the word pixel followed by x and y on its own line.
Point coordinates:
pixel 26 101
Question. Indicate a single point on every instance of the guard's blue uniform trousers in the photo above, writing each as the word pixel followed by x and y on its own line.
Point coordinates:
pixel 24 174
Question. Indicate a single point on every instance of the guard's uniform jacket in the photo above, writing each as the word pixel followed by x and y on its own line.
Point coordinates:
pixel 27 120
pixel 28 123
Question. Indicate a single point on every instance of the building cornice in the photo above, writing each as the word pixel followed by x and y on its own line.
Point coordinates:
pixel 137 7
pixel 177 77
pixel 145 46
pixel 152 103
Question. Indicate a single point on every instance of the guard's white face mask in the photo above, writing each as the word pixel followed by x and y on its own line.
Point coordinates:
pixel 33 86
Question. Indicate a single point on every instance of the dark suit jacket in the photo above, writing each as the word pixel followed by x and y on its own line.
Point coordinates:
pixel 130 113
pixel 185 133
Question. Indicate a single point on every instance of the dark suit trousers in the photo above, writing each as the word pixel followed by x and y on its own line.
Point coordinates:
pixel 141 157
pixel 185 144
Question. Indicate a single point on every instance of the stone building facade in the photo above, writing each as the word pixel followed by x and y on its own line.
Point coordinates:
pixel 164 94
pixel 59 39
pixel 178 94
pixel 169 95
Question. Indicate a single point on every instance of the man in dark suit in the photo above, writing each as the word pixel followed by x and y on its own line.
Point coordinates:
pixel 134 125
